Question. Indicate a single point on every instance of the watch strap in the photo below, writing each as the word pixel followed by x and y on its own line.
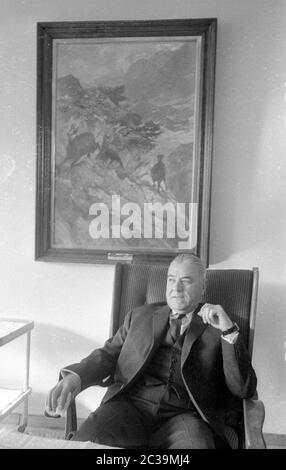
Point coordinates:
pixel 230 330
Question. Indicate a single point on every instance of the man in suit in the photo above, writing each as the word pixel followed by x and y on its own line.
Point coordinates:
pixel 176 372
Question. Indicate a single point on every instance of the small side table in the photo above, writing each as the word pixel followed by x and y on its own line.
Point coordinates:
pixel 11 329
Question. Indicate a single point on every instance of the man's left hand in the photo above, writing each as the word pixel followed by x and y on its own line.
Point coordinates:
pixel 215 316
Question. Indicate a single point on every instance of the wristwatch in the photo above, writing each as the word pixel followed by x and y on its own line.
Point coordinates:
pixel 234 328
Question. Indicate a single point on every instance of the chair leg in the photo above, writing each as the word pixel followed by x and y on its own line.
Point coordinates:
pixel 254 414
pixel 71 419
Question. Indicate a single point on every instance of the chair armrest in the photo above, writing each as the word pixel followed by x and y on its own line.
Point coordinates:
pixel 254 414
pixel 71 418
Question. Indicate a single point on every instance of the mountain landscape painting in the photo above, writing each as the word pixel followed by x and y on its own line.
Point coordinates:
pixel 124 130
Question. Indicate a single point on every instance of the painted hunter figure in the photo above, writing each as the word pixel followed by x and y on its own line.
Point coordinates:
pixel 158 174
pixel 176 372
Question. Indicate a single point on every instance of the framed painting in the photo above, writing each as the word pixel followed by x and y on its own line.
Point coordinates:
pixel 124 139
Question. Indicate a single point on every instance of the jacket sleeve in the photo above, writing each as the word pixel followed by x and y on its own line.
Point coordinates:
pixel 239 375
pixel 99 366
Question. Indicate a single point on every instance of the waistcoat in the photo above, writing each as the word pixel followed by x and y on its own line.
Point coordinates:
pixel 163 374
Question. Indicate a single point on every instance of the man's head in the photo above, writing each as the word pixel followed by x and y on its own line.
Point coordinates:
pixel 185 283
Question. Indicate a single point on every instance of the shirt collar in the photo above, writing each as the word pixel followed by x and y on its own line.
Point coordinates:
pixel 188 315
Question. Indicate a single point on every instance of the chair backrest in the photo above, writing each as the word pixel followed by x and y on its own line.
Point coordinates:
pixel 234 289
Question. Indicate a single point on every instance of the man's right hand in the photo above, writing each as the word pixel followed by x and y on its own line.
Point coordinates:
pixel 59 397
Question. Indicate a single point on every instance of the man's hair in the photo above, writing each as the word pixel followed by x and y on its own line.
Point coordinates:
pixel 191 258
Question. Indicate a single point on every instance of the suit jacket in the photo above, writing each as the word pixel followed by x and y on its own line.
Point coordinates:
pixel 217 374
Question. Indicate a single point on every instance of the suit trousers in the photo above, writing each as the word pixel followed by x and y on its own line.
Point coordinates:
pixel 120 423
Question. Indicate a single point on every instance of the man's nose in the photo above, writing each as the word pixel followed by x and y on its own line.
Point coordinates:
pixel 179 285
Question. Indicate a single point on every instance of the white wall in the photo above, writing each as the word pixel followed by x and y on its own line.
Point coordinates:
pixel 70 303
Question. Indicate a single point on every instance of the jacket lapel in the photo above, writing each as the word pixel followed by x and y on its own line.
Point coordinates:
pixel 160 323
pixel 196 328
pixel 149 336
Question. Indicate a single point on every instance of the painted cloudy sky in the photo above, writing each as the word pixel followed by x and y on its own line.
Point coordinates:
pixel 99 63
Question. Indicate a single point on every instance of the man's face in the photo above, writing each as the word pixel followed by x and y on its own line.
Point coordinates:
pixel 184 286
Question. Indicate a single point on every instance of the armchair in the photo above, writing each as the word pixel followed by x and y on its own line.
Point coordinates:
pixel 236 290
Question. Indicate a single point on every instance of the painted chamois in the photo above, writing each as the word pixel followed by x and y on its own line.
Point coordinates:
pixel 109 154
pixel 79 146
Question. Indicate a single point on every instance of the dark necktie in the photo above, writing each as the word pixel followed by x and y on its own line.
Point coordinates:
pixel 175 327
